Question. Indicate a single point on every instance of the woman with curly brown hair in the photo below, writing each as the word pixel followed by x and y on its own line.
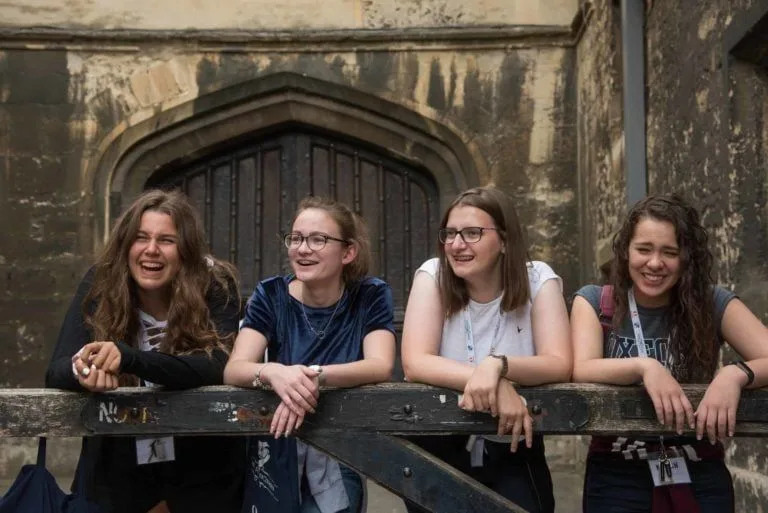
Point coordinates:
pixel 155 310
pixel 661 322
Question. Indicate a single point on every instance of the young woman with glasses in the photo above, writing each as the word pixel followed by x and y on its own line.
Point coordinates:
pixel 325 324
pixel 480 318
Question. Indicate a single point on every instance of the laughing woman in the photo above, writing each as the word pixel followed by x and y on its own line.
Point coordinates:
pixel 480 317
pixel 660 323
pixel 156 309
pixel 326 324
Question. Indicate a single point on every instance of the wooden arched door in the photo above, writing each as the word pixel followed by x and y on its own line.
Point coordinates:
pixel 248 195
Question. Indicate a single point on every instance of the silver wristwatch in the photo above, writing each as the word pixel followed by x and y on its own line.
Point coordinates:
pixel 319 370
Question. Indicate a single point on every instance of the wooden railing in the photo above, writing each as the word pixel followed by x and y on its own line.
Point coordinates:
pixel 357 426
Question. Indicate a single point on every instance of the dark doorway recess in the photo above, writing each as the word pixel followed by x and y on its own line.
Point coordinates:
pixel 248 195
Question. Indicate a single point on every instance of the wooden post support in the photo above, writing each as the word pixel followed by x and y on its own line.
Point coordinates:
pixel 409 471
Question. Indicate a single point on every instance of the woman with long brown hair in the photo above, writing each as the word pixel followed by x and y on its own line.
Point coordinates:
pixel 661 321
pixel 155 310
pixel 480 318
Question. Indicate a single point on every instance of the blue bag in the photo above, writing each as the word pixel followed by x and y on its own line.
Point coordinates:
pixel 272 477
pixel 35 491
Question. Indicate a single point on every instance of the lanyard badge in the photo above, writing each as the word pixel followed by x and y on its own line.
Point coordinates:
pixel 469 336
pixel 155 450
pixel 476 444
pixel 668 471
pixel 665 467
pixel 636 326
pixel 664 470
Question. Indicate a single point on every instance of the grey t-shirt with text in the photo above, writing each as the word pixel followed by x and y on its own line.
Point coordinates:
pixel 655 330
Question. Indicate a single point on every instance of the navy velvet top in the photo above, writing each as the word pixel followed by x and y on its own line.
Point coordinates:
pixel 365 307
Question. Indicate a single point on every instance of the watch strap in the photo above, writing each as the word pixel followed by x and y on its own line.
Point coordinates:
pixel 747 370
pixel 504 364
pixel 320 376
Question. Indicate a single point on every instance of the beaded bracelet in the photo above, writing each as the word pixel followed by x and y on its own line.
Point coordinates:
pixel 258 383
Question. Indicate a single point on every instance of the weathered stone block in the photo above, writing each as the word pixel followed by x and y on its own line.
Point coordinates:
pixel 154 85
pixel 36 77
pixel 39 174
pixel 38 129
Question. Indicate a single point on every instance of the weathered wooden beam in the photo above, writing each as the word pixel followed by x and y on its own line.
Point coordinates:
pixel 394 408
pixel 409 471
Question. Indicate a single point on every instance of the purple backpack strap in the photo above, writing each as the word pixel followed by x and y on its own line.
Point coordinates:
pixel 606 308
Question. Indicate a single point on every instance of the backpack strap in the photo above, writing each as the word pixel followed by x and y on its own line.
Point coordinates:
pixel 606 309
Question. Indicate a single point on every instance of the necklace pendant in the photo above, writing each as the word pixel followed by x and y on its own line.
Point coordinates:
pixel 321 333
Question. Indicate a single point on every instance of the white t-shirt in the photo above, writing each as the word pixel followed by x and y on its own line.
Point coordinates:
pixel 515 330
pixel 151 333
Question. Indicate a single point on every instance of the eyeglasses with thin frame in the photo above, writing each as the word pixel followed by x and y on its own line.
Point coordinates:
pixel 470 234
pixel 315 241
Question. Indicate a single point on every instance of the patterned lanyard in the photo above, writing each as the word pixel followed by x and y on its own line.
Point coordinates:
pixel 636 326
pixel 666 468
pixel 470 338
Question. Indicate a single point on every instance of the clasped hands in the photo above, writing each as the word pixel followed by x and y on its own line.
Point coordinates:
pixel 487 391
pixel 97 366
pixel 298 387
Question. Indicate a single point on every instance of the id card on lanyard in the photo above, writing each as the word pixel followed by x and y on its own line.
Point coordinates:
pixel 154 449
pixel 664 470
pixel 636 326
pixel 476 445
pixel 469 336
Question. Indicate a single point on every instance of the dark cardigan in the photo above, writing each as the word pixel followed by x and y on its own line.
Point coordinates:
pixel 207 473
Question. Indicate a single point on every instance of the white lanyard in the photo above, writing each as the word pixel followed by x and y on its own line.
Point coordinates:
pixel 470 339
pixel 636 326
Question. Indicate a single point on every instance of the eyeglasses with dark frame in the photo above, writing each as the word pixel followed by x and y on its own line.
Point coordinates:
pixel 315 241
pixel 469 234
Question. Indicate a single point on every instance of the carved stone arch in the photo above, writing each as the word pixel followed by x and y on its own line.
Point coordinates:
pixel 132 154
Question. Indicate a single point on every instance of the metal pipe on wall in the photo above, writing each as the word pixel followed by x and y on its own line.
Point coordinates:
pixel 633 59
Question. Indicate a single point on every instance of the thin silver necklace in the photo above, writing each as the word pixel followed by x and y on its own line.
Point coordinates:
pixel 320 334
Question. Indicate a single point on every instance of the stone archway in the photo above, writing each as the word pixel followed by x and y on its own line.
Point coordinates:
pixel 192 129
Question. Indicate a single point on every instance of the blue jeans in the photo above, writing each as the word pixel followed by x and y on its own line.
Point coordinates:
pixel 352 484
pixel 614 485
